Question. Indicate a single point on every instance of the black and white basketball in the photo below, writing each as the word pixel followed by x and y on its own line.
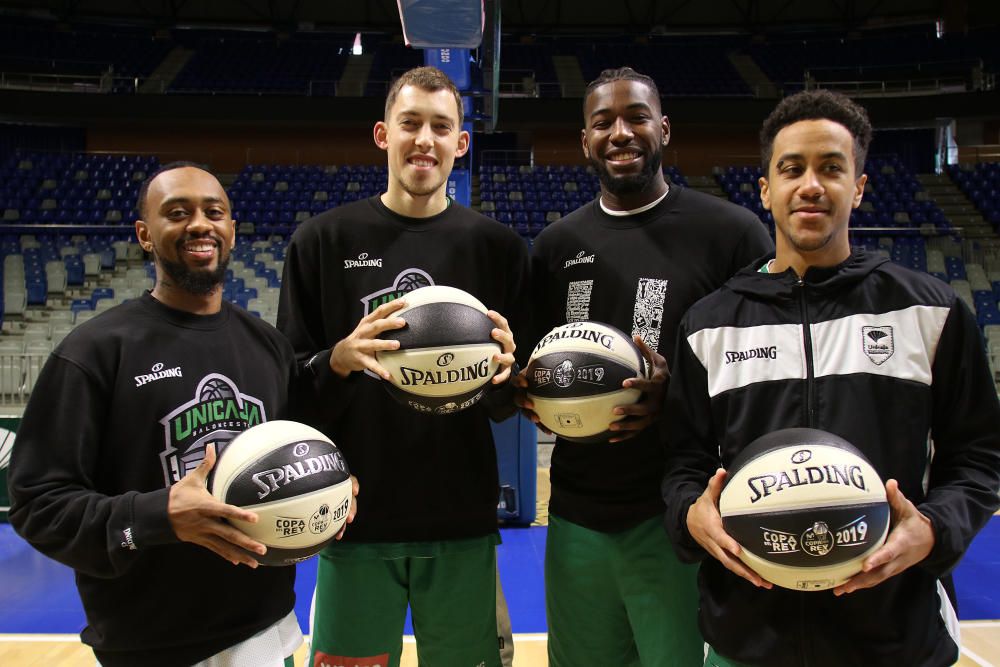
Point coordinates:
pixel 445 357
pixel 294 478
pixel 806 507
pixel 575 377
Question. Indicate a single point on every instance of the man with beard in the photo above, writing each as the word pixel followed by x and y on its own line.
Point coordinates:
pixel 615 591
pixel 426 537
pixel 124 424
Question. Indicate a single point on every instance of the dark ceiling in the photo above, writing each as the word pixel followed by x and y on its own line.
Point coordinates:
pixel 533 16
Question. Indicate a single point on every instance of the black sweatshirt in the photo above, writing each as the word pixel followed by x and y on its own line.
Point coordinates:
pixel 423 477
pixel 638 273
pixel 123 409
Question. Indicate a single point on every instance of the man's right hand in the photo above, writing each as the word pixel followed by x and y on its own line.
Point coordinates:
pixel 520 382
pixel 197 517
pixel 357 351
pixel 705 525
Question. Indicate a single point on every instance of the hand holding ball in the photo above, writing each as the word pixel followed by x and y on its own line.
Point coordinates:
pixel 297 482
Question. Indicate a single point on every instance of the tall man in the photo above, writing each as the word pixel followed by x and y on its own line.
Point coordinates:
pixel 427 533
pixel 920 405
pixel 109 471
pixel 615 592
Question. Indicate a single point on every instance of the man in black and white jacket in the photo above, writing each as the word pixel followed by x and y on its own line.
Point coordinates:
pixel 885 357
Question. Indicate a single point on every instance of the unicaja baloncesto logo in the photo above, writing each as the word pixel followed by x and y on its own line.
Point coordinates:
pixel 407 281
pixel 217 414
pixel 877 343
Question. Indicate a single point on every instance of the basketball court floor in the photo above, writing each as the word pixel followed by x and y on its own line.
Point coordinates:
pixel 40 614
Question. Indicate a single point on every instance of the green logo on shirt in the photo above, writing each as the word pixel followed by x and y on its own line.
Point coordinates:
pixel 407 281
pixel 216 415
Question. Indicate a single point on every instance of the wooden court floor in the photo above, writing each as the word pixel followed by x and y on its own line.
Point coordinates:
pixel 980 648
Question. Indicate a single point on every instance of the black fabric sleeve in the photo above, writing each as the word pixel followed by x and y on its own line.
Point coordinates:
pixel 499 401
pixel 691 449
pixel 965 468
pixel 300 319
pixel 755 243
pixel 55 468
pixel 543 314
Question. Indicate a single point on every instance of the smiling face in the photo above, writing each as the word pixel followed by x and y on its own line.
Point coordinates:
pixel 422 137
pixel 810 189
pixel 187 226
pixel 623 138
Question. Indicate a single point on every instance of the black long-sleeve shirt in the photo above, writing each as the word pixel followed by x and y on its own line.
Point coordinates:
pixel 424 477
pixel 122 410
pixel 638 273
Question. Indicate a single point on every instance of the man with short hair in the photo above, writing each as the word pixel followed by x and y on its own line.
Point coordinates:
pixel 615 592
pixel 108 474
pixel 921 407
pixel 427 535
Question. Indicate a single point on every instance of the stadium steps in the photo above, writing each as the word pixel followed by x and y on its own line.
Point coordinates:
pixel 956 206
pixel 753 75
pixel 354 79
pixel 167 71
pixel 706 184
pixel 570 76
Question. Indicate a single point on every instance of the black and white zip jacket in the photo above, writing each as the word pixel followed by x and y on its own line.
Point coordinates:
pixel 887 358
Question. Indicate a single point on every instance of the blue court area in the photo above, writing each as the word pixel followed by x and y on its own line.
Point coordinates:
pixel 37 595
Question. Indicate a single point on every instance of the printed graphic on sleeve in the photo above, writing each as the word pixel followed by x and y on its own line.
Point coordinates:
pixel 650 296
pixel 217 414
pixel 578 300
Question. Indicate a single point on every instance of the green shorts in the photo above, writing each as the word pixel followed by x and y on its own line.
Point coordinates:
pixel 619 599
pixel 362 591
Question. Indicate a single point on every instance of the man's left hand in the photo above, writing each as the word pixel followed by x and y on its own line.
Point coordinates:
pixel 355 487
pixel 503 335
pixel 910 541
pixel 641 414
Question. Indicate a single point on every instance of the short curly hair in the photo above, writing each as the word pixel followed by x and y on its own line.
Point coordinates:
pixel 620 74
pixel 818 105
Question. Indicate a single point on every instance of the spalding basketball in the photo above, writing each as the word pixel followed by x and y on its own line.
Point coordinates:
pixel 294 478
pixel 445 356
pixel 806 507
pixel 575 377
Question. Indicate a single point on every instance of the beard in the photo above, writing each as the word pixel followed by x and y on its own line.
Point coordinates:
pixel 415 188
pixel 199 282
pixel 631 183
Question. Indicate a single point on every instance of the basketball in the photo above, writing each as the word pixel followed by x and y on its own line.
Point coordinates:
pixel 445 357
pixel 806 507
pixel 575 377
pixel 294 478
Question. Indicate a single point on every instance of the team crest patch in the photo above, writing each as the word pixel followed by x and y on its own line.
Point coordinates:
pixel 877 343
pixel 327 660
pixel 216 414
